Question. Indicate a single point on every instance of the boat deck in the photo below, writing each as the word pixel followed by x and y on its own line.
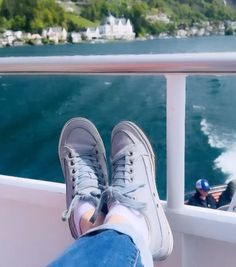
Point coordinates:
pixel 32 233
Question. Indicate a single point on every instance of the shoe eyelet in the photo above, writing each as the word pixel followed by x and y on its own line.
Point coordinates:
pixel 131 162
pixel 131 153
pixel 131 170
pixel 131 179
pixel 72 163
pixel 96 151
pixel 73 170
pixel 134 198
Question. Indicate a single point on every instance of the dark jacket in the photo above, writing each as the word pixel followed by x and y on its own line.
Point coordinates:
pixel 209 202
pixel 227 195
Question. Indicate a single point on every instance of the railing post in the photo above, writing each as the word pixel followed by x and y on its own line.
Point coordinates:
pixel 175 109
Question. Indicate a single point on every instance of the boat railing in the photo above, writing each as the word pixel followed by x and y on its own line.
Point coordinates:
pixel 186 221
pixel 175 67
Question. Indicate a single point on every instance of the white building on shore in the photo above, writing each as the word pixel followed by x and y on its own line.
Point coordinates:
pixel 162 17
pixel 117 28
pixel 112 28
pixel 55 34
pixel 92 33
pixel 76 37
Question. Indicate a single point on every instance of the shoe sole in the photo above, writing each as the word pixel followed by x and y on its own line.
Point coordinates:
pixel 137 131
pixel 88 125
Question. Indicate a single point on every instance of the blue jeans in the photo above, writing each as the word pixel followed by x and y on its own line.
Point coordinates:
pixel 101 249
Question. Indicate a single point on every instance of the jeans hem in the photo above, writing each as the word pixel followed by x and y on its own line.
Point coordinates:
pixel 139 242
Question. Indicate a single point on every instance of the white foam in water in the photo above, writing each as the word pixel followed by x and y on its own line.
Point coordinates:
pixel 198 108
pixel 210 132
pixel 226 161
pixel 107 83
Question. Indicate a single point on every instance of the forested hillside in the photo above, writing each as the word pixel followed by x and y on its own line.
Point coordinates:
pixel 34 15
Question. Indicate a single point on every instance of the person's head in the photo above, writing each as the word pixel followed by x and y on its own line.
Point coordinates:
pixel 203 187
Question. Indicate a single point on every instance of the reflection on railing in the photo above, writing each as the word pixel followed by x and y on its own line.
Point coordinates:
pixel 188 63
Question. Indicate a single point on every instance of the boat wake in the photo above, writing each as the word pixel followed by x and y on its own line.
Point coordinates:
pixel 226 141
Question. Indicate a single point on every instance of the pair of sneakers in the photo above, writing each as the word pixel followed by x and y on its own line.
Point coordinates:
pixel 83 161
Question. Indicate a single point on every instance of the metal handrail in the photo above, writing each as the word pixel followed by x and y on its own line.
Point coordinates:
pixel 175 67
pixel 188 63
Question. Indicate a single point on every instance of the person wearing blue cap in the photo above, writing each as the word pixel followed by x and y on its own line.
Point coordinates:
pixel 201 198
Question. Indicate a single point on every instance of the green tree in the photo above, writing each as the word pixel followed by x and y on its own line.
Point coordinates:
pixel 32 15
pixel 18 23
pixel 157 27
pixel 137 15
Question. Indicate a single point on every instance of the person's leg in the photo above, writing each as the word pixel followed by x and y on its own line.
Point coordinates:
pixel 81 152
pixel 133 202
pixel 133 198
pixel 134 207
pixel 84 223
pixel 101 249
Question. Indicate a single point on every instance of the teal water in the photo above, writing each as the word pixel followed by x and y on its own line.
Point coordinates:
pixel 35 108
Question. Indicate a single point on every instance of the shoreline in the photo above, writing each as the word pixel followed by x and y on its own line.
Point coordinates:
pixel 105 41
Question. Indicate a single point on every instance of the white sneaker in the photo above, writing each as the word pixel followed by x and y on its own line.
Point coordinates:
pixel 83 161
pixel 133 184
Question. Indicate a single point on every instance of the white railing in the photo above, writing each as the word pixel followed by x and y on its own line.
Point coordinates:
pixel 175 67
pixel 122 64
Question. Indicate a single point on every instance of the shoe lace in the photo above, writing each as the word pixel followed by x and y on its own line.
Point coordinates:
pixel 86 174
pixel 121 191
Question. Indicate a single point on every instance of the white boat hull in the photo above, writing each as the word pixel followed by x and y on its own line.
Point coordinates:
pixel 32 233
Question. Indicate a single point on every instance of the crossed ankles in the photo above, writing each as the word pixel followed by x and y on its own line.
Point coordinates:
pixel 131 198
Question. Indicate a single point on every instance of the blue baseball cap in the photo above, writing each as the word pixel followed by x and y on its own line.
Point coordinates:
pixel 203 185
